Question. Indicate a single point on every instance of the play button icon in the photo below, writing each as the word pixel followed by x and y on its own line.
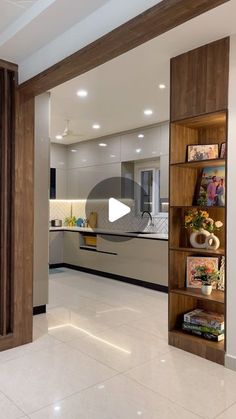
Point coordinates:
pixel 117 210
pixel 115 205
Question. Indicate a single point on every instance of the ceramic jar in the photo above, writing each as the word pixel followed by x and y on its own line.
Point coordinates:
pixel 206 289
pixel 197 234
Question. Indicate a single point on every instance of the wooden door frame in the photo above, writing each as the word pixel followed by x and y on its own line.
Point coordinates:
pixel 155 21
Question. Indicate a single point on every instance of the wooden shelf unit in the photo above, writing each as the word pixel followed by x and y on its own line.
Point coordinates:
pixel 206 129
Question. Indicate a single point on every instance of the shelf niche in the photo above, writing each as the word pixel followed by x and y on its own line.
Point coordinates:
pixel 200 129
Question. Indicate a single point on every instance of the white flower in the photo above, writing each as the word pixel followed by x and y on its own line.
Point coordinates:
pixel 218 224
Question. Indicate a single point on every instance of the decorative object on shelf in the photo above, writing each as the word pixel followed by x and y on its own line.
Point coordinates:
pixel 223 151
pixel 202 226
pixel 197 152
pixel 211 187
pixel 71 221
pixel 221 284
pixel 198 235
pixel 199 270
pixel 79 222
pixel 205 324
pixel 212 242
pixel 208 276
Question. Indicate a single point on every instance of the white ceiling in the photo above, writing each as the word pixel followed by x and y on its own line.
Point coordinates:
pixel 121 89
pixel 28 25
pixel 11 10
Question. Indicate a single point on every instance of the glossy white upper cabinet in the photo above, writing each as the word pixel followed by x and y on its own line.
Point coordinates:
pixel 59 156
pixel 154 143
pixel 83 179
pixel 94 152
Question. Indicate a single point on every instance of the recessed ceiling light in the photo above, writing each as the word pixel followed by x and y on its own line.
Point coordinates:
pixel 112 155
pixel 148 112
pixel 57 408
pixel 96 126
pixel 162 86
pixel 73 150
pixel 102 145
pixel 82 93
pixel 138 150
pixel 58 137
pixel 141 136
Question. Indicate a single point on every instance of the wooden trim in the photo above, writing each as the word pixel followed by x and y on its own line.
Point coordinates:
pixel 8 66
pixel 155 21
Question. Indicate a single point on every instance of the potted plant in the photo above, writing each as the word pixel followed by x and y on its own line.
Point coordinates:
pixel 208 276
pixel 200 224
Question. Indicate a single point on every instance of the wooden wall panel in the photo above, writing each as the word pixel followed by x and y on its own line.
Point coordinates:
pixel 16 211
pixel 199 81
pixel 7 143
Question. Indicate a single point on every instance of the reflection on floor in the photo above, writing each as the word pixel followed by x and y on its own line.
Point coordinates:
pixel 101 352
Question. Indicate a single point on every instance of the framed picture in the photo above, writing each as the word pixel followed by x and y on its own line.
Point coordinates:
pixel 223 151
pixel 210 190
pixel 202 152
pixel 192 263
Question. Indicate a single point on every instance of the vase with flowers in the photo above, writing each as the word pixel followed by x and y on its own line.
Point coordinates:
pixel 202 226
pixel 208 276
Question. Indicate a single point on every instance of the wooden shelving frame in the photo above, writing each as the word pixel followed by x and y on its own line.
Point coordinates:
pixel 206 129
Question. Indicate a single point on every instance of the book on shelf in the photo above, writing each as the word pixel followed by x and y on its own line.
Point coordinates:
pixel 205 318
pixel 205 335
pixel 204 329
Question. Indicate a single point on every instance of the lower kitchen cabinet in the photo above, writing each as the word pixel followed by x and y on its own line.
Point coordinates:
pixel 56 240
pixel 142 259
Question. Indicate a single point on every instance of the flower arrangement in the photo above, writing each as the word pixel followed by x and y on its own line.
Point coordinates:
pixel 199 220
pixel 207 275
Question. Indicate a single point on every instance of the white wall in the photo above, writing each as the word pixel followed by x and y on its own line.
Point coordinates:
pixel 231 231
pixel 41 205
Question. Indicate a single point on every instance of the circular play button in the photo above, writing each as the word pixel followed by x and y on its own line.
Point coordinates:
pixel 115 206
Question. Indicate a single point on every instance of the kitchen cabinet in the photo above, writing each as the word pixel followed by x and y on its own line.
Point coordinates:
pixel 56 244
pixel 79 167
pixel 154 144
pixel 90 153
pixel 142 259
pixel 82 180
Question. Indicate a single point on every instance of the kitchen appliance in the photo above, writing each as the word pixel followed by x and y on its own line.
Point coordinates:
pixel 56 223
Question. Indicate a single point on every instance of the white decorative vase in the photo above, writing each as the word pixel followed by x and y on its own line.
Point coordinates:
pixel 195 234
pixel 206 289
pixel 212 242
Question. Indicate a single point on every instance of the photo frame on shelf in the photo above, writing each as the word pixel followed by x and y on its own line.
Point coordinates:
pixel 197 152
pixel 195 261
pixel 223 151
pixel 210 188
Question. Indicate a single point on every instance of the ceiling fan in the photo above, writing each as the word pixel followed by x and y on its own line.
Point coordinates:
pixel 68 132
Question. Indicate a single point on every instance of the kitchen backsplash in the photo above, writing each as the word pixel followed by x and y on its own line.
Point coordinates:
pixel 62 209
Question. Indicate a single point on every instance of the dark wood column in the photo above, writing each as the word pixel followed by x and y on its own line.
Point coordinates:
pixel 16 211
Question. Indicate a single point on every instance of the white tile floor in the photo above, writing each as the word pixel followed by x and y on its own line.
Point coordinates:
pixel 101 352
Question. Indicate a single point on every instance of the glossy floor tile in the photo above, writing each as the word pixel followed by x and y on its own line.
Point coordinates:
pixel 8 410
pixel 118 398
pixel 101 352
pixel 44 377
pixel 123 347
pixel 194 383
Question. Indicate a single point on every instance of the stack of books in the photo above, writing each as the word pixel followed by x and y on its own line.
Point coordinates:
pixel 205 324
